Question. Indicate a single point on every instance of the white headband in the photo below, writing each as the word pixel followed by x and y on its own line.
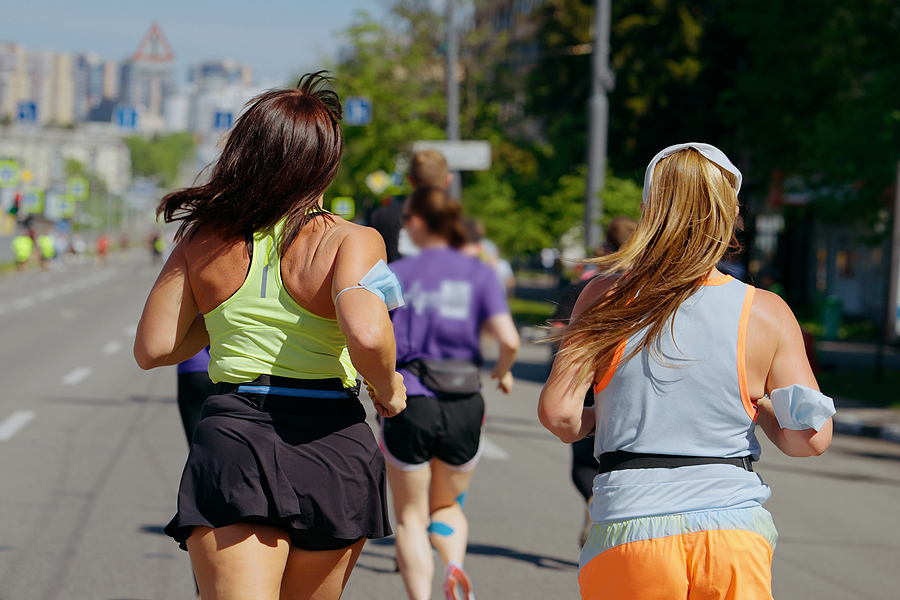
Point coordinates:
pixel 710 152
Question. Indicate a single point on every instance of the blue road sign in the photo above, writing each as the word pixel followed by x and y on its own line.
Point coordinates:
pixel 27 112
pixel 222 120
pixel 125 117
pixel 358 110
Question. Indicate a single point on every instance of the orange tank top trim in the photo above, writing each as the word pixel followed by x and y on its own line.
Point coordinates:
pixel 721 280
pixel 749 403
pixel 613 365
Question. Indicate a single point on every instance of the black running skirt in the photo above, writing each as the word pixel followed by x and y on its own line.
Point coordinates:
pixel 267 452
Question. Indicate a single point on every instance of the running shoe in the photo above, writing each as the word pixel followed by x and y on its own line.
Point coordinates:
pixel 457 585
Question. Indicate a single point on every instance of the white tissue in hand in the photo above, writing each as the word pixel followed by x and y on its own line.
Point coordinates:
pixel 799 407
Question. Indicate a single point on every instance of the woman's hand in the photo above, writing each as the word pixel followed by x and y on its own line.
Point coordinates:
pixel 504 380
pixel 391 403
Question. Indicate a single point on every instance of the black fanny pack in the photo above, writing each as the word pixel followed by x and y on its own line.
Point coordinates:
pixel 446 377
pixel 620 460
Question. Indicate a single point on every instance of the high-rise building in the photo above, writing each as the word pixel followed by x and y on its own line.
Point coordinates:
pixel 147 78
pixel 51 85
pixel 218 73
pixel 13 79
pixel 96 87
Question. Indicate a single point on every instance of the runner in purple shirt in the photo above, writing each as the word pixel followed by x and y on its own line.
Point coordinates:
pixel 433 446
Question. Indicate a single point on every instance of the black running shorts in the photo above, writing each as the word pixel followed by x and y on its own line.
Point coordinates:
pixel 448 430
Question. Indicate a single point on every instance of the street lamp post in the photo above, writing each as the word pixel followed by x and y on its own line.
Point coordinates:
pixel 453 90
pixel 602 82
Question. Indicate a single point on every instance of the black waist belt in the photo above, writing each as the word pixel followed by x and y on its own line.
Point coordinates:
pixel 620 459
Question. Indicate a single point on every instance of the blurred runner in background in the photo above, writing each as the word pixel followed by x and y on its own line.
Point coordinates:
pixel 434 445
pixel 427 168
pixel 45 244
pixel 22 247
pixel 584 465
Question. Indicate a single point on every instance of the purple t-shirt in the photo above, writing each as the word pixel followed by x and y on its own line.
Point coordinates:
pixel 448 297
pixel 199 363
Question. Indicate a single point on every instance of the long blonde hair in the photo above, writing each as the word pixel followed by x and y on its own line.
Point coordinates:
pixel 686 227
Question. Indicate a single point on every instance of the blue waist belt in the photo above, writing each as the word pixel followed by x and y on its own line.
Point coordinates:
pixel 268 390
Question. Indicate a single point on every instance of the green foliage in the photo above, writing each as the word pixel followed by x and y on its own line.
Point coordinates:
pixel 397 66
pixel 621 197
pixel 530 312
pixel 160 157
pixel 862 386
pixel 827 73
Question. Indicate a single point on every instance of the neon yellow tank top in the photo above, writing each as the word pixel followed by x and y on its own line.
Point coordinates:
pixel 261 330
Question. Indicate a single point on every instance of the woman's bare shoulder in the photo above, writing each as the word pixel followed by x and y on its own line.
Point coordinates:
pixel 209 243
pixel 596 289
pixel 356 239
pixel 770 311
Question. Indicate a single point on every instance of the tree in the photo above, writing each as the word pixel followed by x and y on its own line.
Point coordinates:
pixel 397 66
pixel 160 157
pixel 817 97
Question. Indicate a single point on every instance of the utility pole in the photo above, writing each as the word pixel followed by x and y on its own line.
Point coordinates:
pixel 453 91
pixel 602 80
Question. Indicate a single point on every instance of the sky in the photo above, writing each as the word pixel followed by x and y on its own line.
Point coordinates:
pixel 278 38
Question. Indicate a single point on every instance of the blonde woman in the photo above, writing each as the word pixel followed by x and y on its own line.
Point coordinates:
pixel 684 362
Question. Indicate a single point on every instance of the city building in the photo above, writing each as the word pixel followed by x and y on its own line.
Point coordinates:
pixel 96 85
pixel 147 79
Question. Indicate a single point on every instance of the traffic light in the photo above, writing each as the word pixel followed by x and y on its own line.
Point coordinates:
pixel 17 199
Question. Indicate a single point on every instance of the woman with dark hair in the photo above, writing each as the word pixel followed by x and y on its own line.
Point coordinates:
pixel 284 481
pixel 684 362
pixel 433 446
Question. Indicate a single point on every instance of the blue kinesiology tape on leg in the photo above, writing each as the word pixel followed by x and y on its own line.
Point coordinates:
pixel 461 499
pixel 441 529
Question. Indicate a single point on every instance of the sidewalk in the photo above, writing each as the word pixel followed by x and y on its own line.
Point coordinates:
pixel 854 418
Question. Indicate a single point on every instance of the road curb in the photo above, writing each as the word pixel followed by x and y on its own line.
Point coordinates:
pixel 850 425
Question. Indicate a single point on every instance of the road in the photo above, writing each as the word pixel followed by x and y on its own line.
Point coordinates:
pixel 92 450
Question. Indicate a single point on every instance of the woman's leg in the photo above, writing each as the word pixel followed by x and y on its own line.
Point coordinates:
pixel 449 526
pixel 239 562
pixel 319 575
pixel 410 492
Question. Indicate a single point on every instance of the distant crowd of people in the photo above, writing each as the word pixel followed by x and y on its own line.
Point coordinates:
pixel 664 365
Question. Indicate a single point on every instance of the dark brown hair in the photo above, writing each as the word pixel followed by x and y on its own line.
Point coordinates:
pixel 442 214
pixel 281 155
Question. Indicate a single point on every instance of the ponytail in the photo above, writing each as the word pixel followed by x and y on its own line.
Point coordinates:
pixel 441 214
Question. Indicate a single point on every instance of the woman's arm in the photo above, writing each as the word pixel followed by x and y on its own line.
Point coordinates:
pixel 171 328
pixel 363 319
pixel 561 405
pixel 501 326
pixel 790 366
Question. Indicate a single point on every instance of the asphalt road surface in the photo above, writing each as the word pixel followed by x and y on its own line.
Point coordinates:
pixel 91 450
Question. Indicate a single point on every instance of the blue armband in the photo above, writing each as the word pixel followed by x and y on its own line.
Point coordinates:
pixel 382 282
pixel 799 407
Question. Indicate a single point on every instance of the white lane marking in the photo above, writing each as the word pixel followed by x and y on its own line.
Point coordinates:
pixel 55 292
pixel 14 423
pixel 76 376
pixel 131 330
pixel 492 450
pixel 23 302
pixel 112 347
